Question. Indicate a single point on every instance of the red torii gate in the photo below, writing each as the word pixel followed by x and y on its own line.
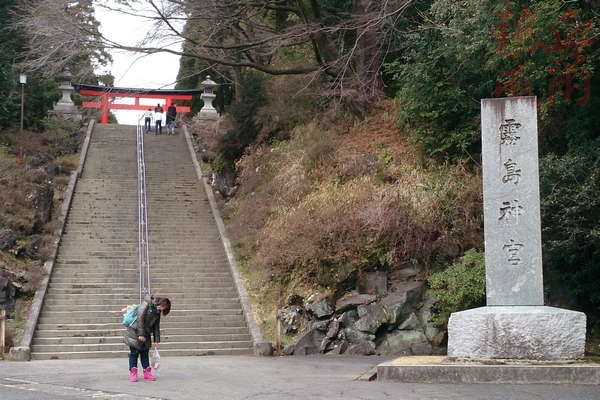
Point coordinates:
pixel 105 93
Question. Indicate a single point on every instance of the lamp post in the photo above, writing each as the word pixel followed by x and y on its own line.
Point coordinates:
pixel 22 81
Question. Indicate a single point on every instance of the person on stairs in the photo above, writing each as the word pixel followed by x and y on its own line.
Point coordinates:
pixel 158 115
pixel 138 335
pixel 147 116
pixel 170 122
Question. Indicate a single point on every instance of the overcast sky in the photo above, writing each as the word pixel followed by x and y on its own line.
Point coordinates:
pixel 157 71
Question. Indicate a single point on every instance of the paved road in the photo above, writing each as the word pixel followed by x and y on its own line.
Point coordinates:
pixel 237 378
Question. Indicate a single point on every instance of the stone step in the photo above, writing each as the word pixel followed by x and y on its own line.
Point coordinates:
pixel 131 295
pixel 97 230
pixel 200 303
pixel 81 255
pixel 198 316
pixel 119 193
pixel 175 256
pixel 94 218
pixel 198 247
pixel 126 206
pixel 199 242
pixel 213 322
pixel 127 292
pixel 83 241
pixel 164 346
pixel 118 339
pixel 131 298
pixel 196 281
pixel 107 253
pixel 114 290
pixel 175 220
pixel 107 279
pixel 101 238
pixel 128 268
pixel 85 213
pixel 123 353
pixel 207 303
pixel 109 314
pixel 167 331
pixel 102 271
pixel 179 203
pixel 131 275
pixel 99 255
pixel 192 298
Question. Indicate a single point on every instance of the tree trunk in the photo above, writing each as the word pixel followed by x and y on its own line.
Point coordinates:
pixel 367 57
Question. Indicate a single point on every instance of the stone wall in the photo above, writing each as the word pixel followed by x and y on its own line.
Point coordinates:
pixel 376 318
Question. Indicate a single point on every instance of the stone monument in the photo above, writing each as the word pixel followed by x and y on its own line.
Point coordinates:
pixel 515 324
pixel 207 112
pixel 65 105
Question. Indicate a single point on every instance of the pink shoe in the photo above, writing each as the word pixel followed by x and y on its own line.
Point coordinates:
pixel 148 374
pixel 133 374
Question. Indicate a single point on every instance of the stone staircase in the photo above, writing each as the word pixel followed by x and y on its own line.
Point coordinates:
pixel 96 270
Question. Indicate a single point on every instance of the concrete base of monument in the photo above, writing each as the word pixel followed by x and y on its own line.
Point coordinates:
pixel 67 110
pixel 440 369
pixel 206 115
pixel 517 333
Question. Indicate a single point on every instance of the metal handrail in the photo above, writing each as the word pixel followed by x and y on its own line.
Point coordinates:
pixel 143 248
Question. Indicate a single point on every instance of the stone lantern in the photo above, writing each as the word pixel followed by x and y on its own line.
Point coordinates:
pixel 65 105
pixel 208 111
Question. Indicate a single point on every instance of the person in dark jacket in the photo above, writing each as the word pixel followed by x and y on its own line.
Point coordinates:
pixel 138 335
pixel 170 122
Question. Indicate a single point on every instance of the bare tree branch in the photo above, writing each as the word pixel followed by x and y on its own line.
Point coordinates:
pixel 345 44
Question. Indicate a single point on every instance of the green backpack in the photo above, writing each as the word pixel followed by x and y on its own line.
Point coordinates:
pixel 130 315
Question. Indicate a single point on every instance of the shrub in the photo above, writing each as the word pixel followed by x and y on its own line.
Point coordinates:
pixel 458 287
pixel 61 133
pixel 291 101
pixel 243 112
pixel 66 163
pixel 570 207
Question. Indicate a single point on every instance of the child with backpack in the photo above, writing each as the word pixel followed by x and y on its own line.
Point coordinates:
pixel 139 333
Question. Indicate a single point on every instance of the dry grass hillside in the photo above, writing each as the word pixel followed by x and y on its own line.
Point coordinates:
pixel 31 196
pixel 341 198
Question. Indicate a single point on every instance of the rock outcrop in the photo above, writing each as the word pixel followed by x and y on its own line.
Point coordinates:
pixel 389 319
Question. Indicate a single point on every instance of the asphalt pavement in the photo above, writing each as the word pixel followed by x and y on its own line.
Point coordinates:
pixel 246 377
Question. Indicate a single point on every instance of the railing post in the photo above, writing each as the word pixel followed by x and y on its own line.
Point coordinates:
pixel 278 332
pixel 2 332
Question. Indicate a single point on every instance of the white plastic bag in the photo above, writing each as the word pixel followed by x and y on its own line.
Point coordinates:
pixel 155 359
